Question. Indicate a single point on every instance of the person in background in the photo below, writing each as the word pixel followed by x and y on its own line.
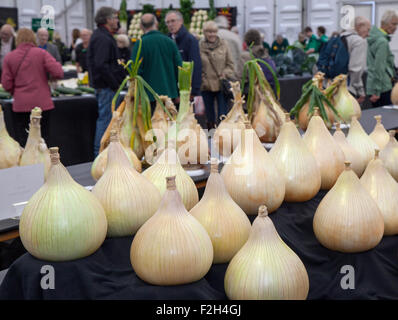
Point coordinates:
pixel 25 76
pixel 380 60
pixel 188 46
pixel 313 43
pixel 7 43
pixel 265 43
pixel 217 64
pixel 123 44
pixel 76 40
pixel 300 43
pixel 232 39
pixel 357 49
pixel 42 37
pixel 323 38
pixel 62 49
pixel 279 45
pixel 105 74
pixel 161 59
pixel 253 37
pixel 81 51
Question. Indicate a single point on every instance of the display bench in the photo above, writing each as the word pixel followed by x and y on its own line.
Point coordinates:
pixel 107 274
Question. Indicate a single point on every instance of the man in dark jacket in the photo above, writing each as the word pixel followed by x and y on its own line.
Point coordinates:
pixel 105 73
pixel 188 46
pixel 161 59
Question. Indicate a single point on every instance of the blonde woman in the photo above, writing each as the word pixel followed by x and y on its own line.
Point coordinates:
pixel 217 64
pixel 123 44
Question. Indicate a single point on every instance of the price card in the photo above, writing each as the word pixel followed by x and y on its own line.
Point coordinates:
pixel 17 186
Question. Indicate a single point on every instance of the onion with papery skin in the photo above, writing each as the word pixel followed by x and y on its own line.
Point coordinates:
pixel 384 190
pixel 358 138
pixel 269 117
pixel 266 268
pixel 36 150
pixel 128 198
pixel 168 165
pixel 99 165
pixel 172 247
pixel 328 154
pixel 389 155
pixel 251 176
pixel 394 95
pixel 10 150
pixel 348 219
pixel 224 221
pixel 296 163
pixel 379 134
pixel 352 155
pixel 304 118
pixel 227 135
pixel 62 221
pixel 346 105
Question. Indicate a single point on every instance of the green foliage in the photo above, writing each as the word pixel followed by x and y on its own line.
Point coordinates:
pixel 148 8
pixel 293 61
pixel 212 11
pixel 186 7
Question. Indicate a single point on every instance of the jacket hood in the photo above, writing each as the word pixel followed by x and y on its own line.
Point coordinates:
pixel 375 35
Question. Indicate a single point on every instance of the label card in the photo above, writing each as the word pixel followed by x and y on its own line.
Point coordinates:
pixel 17 186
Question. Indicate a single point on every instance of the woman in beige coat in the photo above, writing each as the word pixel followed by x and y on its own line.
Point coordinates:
pixel 217 64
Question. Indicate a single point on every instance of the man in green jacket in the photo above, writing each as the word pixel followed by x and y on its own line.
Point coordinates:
pixel 161 59
pixel 380 60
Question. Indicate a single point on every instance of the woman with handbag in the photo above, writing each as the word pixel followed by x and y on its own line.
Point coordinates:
pixel 24 75
pixel 217 70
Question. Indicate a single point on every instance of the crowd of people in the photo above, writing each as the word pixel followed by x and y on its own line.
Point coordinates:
pixel 220 55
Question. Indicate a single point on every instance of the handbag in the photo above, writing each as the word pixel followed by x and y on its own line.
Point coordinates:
pixel 225 86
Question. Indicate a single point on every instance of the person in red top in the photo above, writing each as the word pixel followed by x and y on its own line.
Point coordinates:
pixel 24 75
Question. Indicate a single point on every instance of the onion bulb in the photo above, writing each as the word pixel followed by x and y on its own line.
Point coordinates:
pixel 251 176
pixel 36 150
pixel 345 104
pixel 266 268
pixel 99 165
pixel 129 199
pixel 62 221
pixel 389 155
pixel 227 135
pixel 348 219
pixel 269 116
pixel 353 156
pixel 304 118
pixel 328 154
pixel 384 190
pixel 172 247
pixel 168 165
pixel 224 221
pixel 10 150
pixel 394 95
pixel 379 134
pixel 296 163
pixel 358 138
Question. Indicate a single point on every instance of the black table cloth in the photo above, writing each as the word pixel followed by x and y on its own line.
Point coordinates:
pixel 107 274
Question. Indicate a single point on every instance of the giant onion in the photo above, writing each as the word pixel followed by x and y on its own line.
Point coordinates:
pixel 10 150
pixel 379 134
pixel 389 155
pixel 251 176
pixel 62 221
pixel 266 268
pixel 172 247
pixel 348 219
pixel 129 199
pixel 296 163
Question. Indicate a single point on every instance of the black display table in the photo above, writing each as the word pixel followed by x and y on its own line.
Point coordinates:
pixel 107 274
pixel 72 126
